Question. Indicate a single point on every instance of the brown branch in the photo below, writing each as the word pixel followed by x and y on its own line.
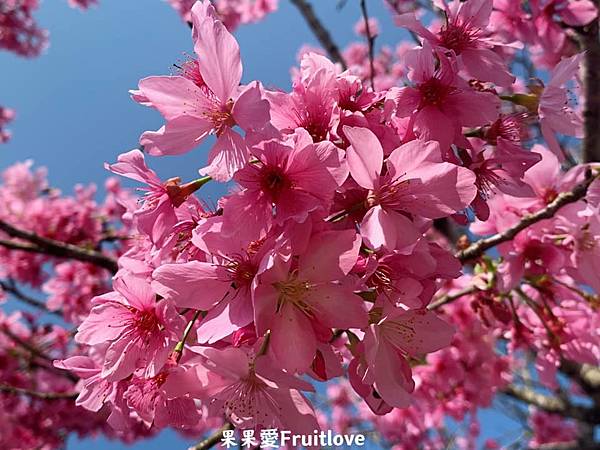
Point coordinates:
pixel 590 43
pixel 320 32
pixel 370 42
pixel 37 353
pixel 10 287
pixel 35 394
pixel 213 439
pixel 478 248
pixel 55 248
pixel 586 376
pixel 552 405
pixel 448 298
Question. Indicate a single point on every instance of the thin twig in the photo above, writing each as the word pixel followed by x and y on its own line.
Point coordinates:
pixel 35 394
pixel 37 353
pixel 320 32
pixel 370 42
pixel 448 298
pixel 477 249
pixel 10 287
pixel 55 248
pixel 213 439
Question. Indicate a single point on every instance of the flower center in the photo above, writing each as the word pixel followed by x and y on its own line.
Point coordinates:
pixel 221 118
pixel 273 181
pixel 433 92
pixel 146 321
pixel 381 280
pixel 241 270
pixel 293 291
pixel 457 37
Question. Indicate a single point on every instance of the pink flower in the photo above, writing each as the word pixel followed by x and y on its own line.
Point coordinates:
pixel 300 304
pixel 555 114
pixel 83 4
pixel 205 99
pixel 502 168
pixel 464 36
pixel 390 341
pixel 19 33
pixel 165 399
pixel 286 183
pixel 157 215
pixel 439 102
pixel 251 393
pixel 140 331
pixel 360 27
pixel 228 279
pixel 530 256
pixel 94 391
pixel 6 115
pixel 416 182
pixel 311 103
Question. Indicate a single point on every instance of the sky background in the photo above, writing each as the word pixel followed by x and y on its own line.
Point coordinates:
pixel 74 112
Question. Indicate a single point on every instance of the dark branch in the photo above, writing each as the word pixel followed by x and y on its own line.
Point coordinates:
pixel 55 248
pixel 370 42
pixel 213 439
pixel 10 287
pixel 478 248
pixel 35 394
pixel 451 297
pixel 320 32
pixel 590 43
pixel 552 405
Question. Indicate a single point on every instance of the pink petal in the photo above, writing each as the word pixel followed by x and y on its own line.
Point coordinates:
pixel 171 96
pixel 194 284
pixel 365 156
pixel 227 156
pixel 337 306
pixel 177 136
pixel 330 255
pixel 293 340
pixel 250 110
pixel 218 53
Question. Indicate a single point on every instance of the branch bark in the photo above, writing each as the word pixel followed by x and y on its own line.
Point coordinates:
pixel 590 43
pixel 213 439
pixel 10 287
pixel 478 248
pixel 320 32
pixel 39 395
pixel 370 42
pixel 451 297
pixel 552 405
pixel 39 244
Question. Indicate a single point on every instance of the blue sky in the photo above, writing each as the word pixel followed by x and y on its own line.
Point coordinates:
pixel 73 108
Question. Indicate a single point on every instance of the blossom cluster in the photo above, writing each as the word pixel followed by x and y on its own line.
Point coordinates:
pixel 6 116
pixel 29 341
pixel 324 262
pixel 232 13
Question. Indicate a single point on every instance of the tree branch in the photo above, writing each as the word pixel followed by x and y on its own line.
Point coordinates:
pixel 37 353
pixel 552 405
pixel 320 32
pixel 477 249
pixel 370 42
pixel 448 298
pixel 213 439
pixel 55 248
pixel 35 394
pixel 9 286
pixel 590 43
